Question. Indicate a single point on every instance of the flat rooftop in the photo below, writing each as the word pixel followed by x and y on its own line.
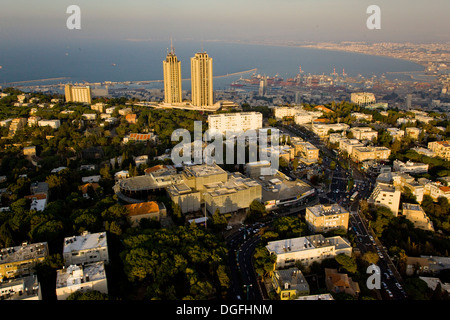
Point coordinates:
pixel 85 241
pixel 327 210
pixel 306 243
pixel 76 275
pixel 203 170
pixel 24 252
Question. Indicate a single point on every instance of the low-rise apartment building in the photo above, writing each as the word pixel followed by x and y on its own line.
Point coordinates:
pixel 410 167
pixel 440 148
pixel 323 218
pixel 85 248
pixel 415 214
pixel 21 260
pixel 386 195
pixel 307 249
pixel 289 283
pixel 364 133
pixel 81 278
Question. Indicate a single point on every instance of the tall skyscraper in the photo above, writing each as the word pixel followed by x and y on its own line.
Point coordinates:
pixel 77 94
pixel 172 77
pixel 202 80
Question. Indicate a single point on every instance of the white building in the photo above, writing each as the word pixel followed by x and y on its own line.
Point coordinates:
pixel 233 122
pixel 386 195
pixel 410 167
pixel 86 248
pixel 55 124
pixel 308 249
pixel 364 133
pixel 74 278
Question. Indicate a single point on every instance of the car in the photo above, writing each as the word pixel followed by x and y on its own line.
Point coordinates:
pixel 387 276
pixel 384 285
pixel 389 293
pixel 398 285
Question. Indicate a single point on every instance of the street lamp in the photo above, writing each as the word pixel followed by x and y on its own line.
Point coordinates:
pixel 247 286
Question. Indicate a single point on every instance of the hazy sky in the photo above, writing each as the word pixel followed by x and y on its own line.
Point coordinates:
pixel 296 20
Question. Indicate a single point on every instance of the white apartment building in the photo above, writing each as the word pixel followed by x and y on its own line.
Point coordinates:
pixel 235 122
pixel 386 195
pixel 322 129
pixel 281 112
pixel 55 124
pixel 410 167
pixel 308 249
pixel 396 133
pixel 74 278
pixel 347 145
pixel 415 214
pixel 86 248
pixel 364 133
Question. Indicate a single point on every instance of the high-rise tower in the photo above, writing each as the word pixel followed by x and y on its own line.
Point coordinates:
pixel 172 77
pixel 202 80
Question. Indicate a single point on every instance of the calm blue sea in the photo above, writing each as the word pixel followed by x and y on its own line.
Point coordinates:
pixel 97 61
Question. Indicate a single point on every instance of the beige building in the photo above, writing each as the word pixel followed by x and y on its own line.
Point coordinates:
pixel 202 80
pixel 364 133
pixel 347 145
pixel 360 154
pixel 396 133
pixel 235 194
pixel 21 260
pixel 324 218
pixel 413 132
pixel 415 214
pixel 322 129
pixel 85 248
pixel 16 125
pixel 172 78
pixel 81 278
pixel 362 98
pixel 440 149
pixel 308 249
pixel 306 151
pixel 146 210
pixel 386 195
pixel 78 94
pixel 410 167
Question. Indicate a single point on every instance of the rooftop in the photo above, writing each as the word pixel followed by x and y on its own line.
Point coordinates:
pixel 326 210
pixel 142 208
pixel 85 241
pixel 203 170
pixel 305 243
pixel 75 275
pixel 24 252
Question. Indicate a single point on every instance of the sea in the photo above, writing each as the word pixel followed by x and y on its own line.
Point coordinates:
pixel 124 60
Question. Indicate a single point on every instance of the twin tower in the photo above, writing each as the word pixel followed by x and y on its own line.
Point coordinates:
pixel 201 79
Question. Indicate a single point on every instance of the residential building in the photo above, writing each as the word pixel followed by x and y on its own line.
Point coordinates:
pixel 151 210
pixel 340 283
pixel 360 154
pixel 235 122
pixel 321 296
pixel 322 129
pixel 396 133
pixel 364 133
pixel 410 167
pixel 386 195
pixel 413 132
pixel 431 265
pixel 85 248
pixel 202 80
pixel 405 120
pixel 77 94
pixel 424 151
pixel 54 124
pixel 307 152
pixel 415 214
pixel 82 278
pixel 100 107
pixel 21 260
pixel 22 288
pixel 282 112
pixel 172 78
pixel 440 148
pixel 307 249
pixel 16 125
pixel 324 218
pixel 436 190
pixel 362 116
pixel 362 98
pixel 346 145
pixel 290 283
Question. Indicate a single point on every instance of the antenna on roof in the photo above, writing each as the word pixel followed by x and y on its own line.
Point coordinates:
pixel 171 46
